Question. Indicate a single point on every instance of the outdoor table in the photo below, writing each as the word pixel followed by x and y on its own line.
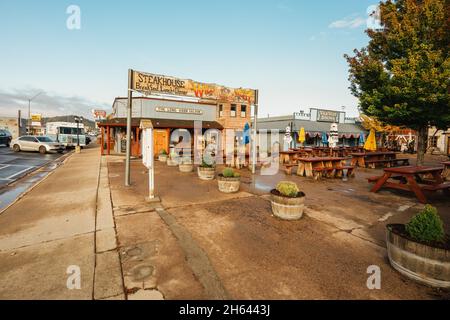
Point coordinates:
pixel 360 158
pixel 446 173
pixel 287 156
pixel 306 165
pixel 410 174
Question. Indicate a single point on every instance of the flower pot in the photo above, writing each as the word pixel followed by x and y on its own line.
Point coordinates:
pixel 172 162
pixel 287 208
pixel 206 173
pixel 186 167
pixel 162 157
pixel 228 185
pixel 424 263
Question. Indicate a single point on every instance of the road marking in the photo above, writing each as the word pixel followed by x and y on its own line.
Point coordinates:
pixel 17 165
pixel 6 179
pixel 5 166
pixel 22 171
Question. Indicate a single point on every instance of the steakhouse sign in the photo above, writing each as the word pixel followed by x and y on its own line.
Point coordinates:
pixel 148 83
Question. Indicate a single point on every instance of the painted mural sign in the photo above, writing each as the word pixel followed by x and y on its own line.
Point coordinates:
pixel 327 116
pixel 148 83
pixel 179 110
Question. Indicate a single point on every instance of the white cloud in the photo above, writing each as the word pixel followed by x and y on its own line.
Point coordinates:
pixel 348 22
pixel 47 104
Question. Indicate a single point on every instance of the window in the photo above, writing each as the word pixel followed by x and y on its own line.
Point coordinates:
pixel 233 110
pixel 243 111
pixel 433 142
pixel 220 110
pixel 44 139
pixel 29 139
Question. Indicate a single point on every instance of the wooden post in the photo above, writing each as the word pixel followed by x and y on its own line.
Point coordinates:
pixel 102 141
pixel 108 140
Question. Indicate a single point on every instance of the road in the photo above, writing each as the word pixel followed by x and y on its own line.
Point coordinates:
pixel 14 165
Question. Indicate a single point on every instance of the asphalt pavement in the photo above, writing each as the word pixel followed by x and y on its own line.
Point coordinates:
pixel 14 166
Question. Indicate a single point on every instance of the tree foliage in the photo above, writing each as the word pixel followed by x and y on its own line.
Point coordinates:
pixel 402 77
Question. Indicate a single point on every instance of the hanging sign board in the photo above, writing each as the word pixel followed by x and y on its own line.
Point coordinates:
pixel 148 83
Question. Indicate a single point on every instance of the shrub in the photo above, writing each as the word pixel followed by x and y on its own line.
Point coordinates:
pixel 163 152
pixel 426 226
pixel 206 165
pixel 229 173
pixel 288 189
pixel 207 162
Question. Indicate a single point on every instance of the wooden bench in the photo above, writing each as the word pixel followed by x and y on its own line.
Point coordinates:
pixel 318 172
pixel 372 163
pixel 288 168
pixel 404 162
pixel 350 170
pixel 442 186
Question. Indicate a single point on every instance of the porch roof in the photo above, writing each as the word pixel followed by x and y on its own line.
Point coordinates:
pixel 160 123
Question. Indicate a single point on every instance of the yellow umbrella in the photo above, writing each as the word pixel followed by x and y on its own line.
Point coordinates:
pixel 371 143
pixel 302 135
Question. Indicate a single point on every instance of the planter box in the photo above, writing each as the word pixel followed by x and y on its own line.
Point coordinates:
pixel 228 185
pixel 186 167
pixel 172 162
pixel 423 263
pixel 162 158
pixel 287 208
pixel 206 173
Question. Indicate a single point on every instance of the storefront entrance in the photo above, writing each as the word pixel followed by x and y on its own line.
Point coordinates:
pixel 161 141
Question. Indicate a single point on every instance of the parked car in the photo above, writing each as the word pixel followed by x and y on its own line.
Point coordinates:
pixel 42 144
pixel 5 137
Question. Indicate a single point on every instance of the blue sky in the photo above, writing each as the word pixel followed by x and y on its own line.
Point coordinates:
pixel 292 51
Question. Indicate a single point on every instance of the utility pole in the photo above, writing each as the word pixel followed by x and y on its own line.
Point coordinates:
pixel 129 108
pixel 255 128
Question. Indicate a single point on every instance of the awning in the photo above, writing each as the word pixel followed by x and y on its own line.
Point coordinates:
pixel 160 123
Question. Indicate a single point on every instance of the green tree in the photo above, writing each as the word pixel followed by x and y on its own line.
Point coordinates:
pixel 402 77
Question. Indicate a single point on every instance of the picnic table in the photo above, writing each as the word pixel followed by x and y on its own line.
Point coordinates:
pixel 411 179
pixel 287 156
pixel 316 167
pixel 371 159
pixel 446 172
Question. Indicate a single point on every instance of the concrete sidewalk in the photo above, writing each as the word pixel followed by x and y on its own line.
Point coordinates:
pixel 66 220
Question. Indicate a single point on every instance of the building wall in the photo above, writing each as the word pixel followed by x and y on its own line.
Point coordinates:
pixel 12 125
pixel 438 142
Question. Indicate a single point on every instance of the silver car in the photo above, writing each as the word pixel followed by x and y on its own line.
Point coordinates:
pixel 42 144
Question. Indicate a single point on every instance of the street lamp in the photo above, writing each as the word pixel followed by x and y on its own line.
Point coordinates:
pixel 78 120
pixel 29 111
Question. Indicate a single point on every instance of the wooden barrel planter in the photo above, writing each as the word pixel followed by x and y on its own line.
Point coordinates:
pixel 172 162
pixel 206 173
pixel 424 263
pixel 162 157
pixel 186 167
pixel 287 208
pixel 228 185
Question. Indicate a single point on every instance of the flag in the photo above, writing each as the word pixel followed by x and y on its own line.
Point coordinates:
pixel 324 138
pixel 246 134
pixel 301 136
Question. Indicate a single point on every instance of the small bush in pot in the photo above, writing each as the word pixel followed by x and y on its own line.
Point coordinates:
pixel 288 202
pixel 207 170
pixel 229 181
pixel 420 249
pixel 426 226
pixel 173 159
pixel 162 155
pixel 186 165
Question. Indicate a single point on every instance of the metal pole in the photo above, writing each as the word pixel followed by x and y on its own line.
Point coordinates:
pixel 78 130
pixel 129 106
pixel 29 116
pixel 255 128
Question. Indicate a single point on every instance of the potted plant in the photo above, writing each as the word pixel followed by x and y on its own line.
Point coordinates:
pixel 420 249
pixel 162 155
pixel 172 160
pixel 186 165
pixel 288 202
pixel 229 181
pixel 206 171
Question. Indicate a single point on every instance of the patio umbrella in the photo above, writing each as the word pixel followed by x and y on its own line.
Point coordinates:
pixel 362 139
pixel 246 134
pixel 302 136
pixel 324 138
pixel 371 143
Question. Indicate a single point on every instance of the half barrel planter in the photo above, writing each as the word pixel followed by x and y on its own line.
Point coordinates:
pixel 206 173
pixel 287 208
pixel 162 158
pixel 420 262
pixel 228 185
pixel 186 167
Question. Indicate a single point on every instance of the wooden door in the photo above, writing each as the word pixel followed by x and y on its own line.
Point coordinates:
pixel 160 141
pixel 448 146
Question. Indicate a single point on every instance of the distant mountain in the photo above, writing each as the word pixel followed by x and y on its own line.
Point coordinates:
pixel 86 122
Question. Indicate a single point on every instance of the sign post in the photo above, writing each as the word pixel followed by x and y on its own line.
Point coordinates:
pixel 129 106
pixel 148 156
pixel 255 134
